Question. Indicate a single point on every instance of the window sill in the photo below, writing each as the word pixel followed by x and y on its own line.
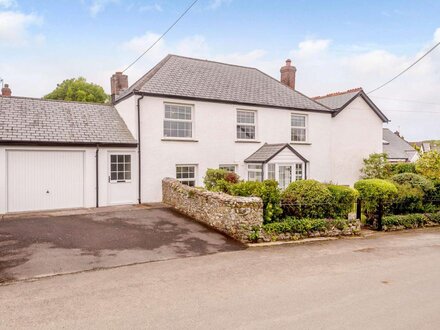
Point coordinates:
pixel 246 141
pixel 303 143
pixel 179 140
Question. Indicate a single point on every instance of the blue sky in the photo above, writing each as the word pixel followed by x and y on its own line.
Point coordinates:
pixel 335 45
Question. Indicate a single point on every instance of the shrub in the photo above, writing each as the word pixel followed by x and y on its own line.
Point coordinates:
pixel 428 165
pixel 434 217
pixel 398 168
pixel 407 221
pixel 306 199
pixel 376 167
pixel 303 226
pixel 343 199
pixel 408 200
pixel 267 190
pixel 372 191
pixel 219 180
pixel 415 181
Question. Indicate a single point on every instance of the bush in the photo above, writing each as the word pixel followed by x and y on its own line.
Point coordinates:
pixel 407 221
pixel 267 190
pixel 434 217
pixel 415 181
pixel 306 199
pixel 343 199
pixel 219 180
pixel 376 167
pixel 409 200
pixel 428 165
pixel 303 226
pixel 372 191
pixel 398 168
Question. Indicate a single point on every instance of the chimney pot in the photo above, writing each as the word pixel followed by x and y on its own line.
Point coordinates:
pixel 288 74
pixel 6 91
pixel 118 82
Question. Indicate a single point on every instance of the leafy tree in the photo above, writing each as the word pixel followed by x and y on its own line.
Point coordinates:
pixel 78 89
pixel 428 165
pixel 376 167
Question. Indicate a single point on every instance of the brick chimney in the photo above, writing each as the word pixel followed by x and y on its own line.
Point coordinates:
pixel 118 82
pixel 6 91
pixel 288 73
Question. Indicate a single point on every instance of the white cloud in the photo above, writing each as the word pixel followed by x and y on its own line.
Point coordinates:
pixel 8 3
pixel 15 26
pixel 137 45
pixel 215 4
pixel 194 46
pixel 97 6
pixel 153 7
pixel 312 47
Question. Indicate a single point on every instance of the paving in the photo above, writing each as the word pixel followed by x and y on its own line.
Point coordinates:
pixel 45 244
pixel 386 281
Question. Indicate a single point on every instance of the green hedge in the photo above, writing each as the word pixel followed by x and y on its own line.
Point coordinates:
pixel 415 181
pixel 398 168
pixel 219 180
pixel 343 200
pixel 267 190
pixel 306 199
pixel 410 220
pixel 303 226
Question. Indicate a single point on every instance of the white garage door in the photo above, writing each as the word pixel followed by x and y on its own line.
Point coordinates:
pixel 44 180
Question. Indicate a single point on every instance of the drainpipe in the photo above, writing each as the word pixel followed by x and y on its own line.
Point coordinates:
pixel 97 175
pixel 139 146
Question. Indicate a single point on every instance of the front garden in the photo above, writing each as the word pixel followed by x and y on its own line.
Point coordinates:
pixel 389 197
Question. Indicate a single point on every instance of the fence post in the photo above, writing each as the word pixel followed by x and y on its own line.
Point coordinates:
pixel 359 209
pixel 380 215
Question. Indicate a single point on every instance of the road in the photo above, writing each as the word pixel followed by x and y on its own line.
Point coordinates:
pixel 387 281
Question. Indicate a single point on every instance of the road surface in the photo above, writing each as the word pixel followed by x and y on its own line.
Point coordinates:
pixel 388 281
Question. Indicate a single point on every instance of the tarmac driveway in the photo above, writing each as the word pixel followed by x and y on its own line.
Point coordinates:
pixel 45 245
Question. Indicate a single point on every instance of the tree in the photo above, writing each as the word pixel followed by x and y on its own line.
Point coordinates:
pixel 428 165
pixel 376 167
pixel 78 89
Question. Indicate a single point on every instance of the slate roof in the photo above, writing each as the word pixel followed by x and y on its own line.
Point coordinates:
pixel 37 120
pixel 213 81
pixel 337 100
pixel 268 151
pixel 396 147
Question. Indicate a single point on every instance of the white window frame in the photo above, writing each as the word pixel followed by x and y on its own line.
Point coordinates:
pixel 226 166
pixel 255 124
pixel 187 179
pixel 270 171
pixel 294 174
pixel 305 127
pixel 178 120
pixel 260 171
pixel 117 171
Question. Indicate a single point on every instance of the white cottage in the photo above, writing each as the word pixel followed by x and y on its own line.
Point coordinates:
pixel 190 115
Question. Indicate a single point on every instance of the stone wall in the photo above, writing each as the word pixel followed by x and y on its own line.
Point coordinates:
pixel 238 217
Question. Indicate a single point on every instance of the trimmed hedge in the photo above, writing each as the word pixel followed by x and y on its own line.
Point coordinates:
pixel 267 190
pixel 306 199
pixel 410 220
pixel 304 226
pixel 343 200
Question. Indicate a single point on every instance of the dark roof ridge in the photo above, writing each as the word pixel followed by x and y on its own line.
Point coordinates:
pixel 59 101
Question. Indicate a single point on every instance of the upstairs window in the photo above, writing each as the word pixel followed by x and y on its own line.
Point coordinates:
pixel 246 125
pixel 120 168
pixel 178 121
pixel 298 128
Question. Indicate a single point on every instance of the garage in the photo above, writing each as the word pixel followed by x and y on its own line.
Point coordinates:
pixel 44 180
pixel 61 155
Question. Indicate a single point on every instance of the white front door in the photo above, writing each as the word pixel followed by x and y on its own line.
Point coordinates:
pixel 44 180
pixel 284 175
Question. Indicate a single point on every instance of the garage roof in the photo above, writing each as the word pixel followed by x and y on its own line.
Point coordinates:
pixel 30 120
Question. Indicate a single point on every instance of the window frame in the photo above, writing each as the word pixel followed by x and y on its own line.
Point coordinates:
pixel 260 171
pixel 305 127
pixel 223 166
pixel 182 180
pixel 192 121
pixel 255 124
pixel 117 154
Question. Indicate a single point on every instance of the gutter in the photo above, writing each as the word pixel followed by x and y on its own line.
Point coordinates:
pixel 97 175
pixel 139 145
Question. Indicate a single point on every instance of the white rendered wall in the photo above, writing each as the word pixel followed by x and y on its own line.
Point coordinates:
pixel 356 133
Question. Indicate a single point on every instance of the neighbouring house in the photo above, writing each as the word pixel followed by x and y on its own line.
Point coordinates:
pixel 427 146
pixel 190 115
pixel 397 149
pixel 56 154
pixel 182 117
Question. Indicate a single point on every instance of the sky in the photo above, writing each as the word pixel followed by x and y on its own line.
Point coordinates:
pixel 335 45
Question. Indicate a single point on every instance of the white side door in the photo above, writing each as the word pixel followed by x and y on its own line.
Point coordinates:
pixel 122 187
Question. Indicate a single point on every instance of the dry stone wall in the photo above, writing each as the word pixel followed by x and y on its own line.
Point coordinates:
pixel 238 217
